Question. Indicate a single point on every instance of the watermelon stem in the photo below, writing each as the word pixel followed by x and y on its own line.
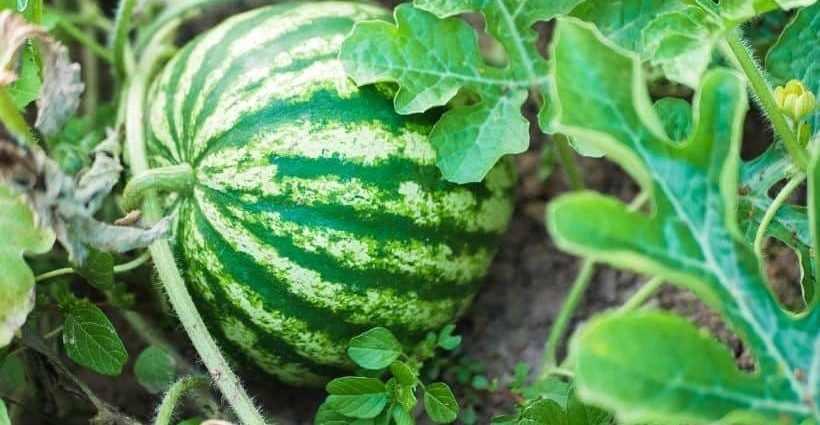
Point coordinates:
pixel 133 107
pixel 173 178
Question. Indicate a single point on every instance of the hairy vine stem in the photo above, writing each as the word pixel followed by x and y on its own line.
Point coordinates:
pixel 744 60
pixel 169 275
pixel 122 23
pixel 171 178
pixel 778 202
pixel 169 402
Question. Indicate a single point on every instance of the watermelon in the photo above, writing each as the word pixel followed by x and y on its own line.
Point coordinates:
pixel 317 211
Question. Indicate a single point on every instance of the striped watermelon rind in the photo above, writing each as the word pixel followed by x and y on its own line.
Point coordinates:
pixel 317 212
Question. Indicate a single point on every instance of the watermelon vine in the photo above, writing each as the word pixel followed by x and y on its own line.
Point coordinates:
pixel 203 208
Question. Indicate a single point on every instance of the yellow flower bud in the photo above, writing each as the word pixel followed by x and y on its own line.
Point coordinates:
pixel 795 100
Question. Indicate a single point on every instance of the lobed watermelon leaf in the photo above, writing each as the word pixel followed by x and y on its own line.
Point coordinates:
pixel 790 225
pixel 745 9
pixel 623 21
pixel 433 56
pixel 691 237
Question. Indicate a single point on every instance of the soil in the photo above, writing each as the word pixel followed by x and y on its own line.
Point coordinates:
pixel 512 314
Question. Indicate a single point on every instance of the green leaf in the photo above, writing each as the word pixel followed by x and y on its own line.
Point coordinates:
pixel 623 20
pixel 739 10
pixel 98 269
pixel 690 238
pixel 404 374
pixel 4 414
pixel 91 340
pixel 405 395
pixel 697 360
pixel 440 403
pixel 401 416
pixel 12 374
pixel 579 413
pixel 521 374
pixel 20 236
pixel 433 56
pixel 27 87
pixel 155 369
pixel 681 43
pixel 327 416
pixel 191 421
pixel 676 116
pixel 374 349
pixel 790 224
pixel 795 54
pixel 357 397
pixel 447 340
pixel 544 412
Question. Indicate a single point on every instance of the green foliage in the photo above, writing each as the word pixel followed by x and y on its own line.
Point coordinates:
pixel 21 235
pixel 91 340
pixel 440 403
pixel 26 89
pixel 12 374
pixel 375 349
pixel 433 55
pixel 554 401
pixel 745 9
pixel 690 238
pixel 155 369
pixel 357 397
pixel 4 414
pixel 795 54
pixel 383 399
pixel 624 20
pixel 790 225
pixel 446 339
pixel 676 117
pixel 98 270
pixel 681 43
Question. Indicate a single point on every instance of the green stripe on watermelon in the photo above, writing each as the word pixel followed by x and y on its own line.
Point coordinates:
pixel 318 211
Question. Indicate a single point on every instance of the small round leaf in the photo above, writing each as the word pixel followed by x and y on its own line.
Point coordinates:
pixel 357 397
pixel 374 349
pixel 154 369
pixel 440 403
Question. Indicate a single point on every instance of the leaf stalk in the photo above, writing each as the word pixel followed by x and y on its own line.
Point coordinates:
pixel 169 275
pixel 744 60
pixel 771 212
pixel 172 178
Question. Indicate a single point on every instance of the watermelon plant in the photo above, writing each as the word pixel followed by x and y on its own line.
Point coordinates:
pixel 314 191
